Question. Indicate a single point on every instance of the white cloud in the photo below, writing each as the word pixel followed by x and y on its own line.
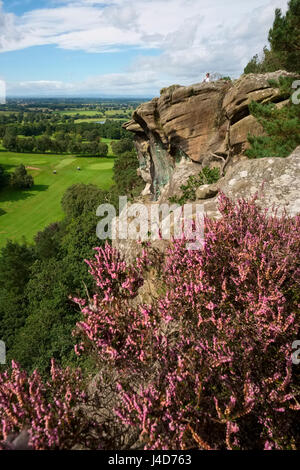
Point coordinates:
pixel 131 83
pixel 194 36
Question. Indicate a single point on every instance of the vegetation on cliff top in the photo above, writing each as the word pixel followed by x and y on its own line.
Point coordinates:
pixel 281 125
pixel 284 39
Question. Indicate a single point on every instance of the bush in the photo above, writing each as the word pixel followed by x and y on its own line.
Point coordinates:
pixel 46 408
pixel 281 127
pixel 127 181
pixel 20 178
pixel 206 176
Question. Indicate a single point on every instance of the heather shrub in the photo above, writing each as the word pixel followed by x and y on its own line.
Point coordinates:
pixel 49 410
pixel 112 330
pixel 209 364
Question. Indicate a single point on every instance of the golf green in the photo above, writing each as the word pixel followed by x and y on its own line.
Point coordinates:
pixel 25 212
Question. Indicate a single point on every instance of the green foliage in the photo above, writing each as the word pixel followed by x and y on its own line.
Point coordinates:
pixel 122 146
pixel 102 149
pixel 284 84
pixel 80 198
pixel 127 182
pixel 15 263
pixel 20 178
pixel 36 313
pixel 47 241
pixel 3 177
pixel 268 62
pixel 284 36
pixel 43 137
pixel 281 127
pixel 284 39
pixel 50 318
pixel 9 141
pixel 206 176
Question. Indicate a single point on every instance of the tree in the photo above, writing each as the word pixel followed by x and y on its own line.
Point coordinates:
pixel 284 39
pixel 43 143
pixel 281 125
pixel 122 146
pixel 9 141
pixel 26 144
pixel 81 198
pixel 47 242
pixel 102 149
pixel 284 36
pixel 15 263
pixel 125 174
pixel 20 178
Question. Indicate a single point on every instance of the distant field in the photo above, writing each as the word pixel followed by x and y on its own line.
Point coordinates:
pixel 28 211
pixel 88 112
pixel 78 121
pixel 111 114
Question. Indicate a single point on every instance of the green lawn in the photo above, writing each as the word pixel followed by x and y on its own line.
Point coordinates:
pixel 28 211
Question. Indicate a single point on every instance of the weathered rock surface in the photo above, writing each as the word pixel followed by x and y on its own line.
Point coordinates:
pixel 200 123
pixel 276 181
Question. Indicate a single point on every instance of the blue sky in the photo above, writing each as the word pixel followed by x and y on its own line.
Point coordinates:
pixel 123 48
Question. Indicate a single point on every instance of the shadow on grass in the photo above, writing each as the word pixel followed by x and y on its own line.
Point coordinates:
pixel 11 194
pixel 7 166
pixel 2 212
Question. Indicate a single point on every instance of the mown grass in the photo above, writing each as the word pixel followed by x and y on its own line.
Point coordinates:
pixel 26 212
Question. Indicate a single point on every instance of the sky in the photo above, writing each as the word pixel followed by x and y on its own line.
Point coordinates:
pixel 126 48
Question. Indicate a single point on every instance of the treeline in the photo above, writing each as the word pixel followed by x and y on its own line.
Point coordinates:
pixel 29 117
pixel 63 143
pixel 111 129
pixel 83 138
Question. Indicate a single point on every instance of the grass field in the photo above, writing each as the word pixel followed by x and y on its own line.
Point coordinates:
pixel 87 112
pixel 78 121
pixel 28 211
pixel 109 114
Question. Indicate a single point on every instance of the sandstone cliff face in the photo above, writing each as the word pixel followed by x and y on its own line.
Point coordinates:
pixel 188 128
pixel 275 181
pixel 206 124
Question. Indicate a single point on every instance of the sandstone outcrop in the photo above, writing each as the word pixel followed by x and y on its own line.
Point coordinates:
pixel 188 128
pixel 275 181
pixel 201 124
